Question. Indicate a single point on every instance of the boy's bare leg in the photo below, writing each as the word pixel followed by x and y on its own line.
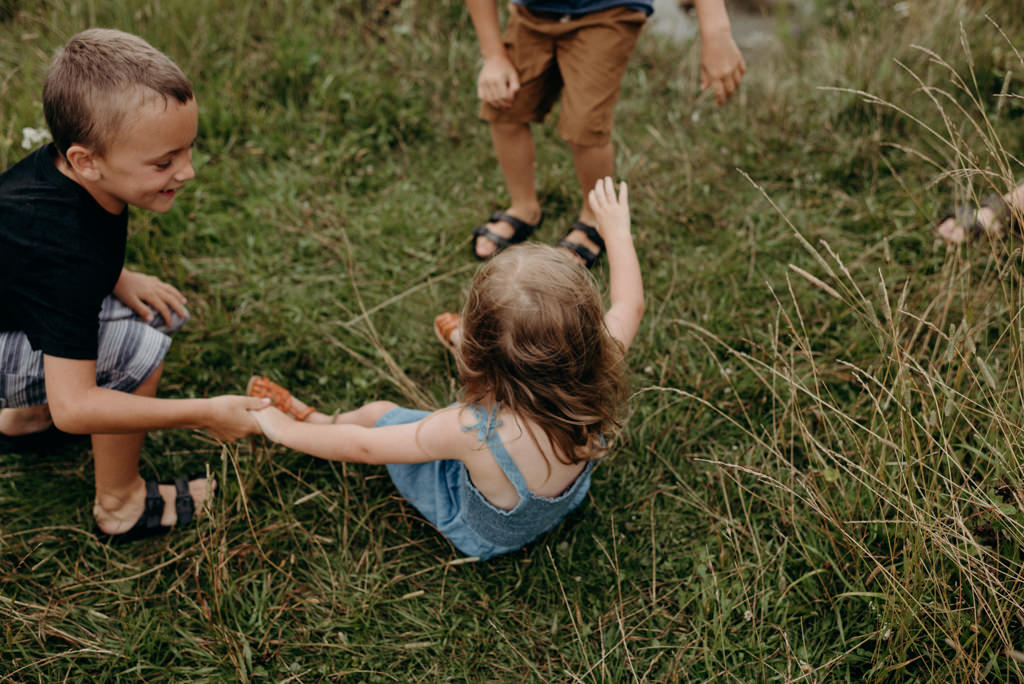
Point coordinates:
pixel 514 148
pixel 592 164
pixel 15 422
pixel 951 231
pixel 120 490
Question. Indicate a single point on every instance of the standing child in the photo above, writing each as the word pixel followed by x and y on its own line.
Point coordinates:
pixel 82 338
pixel 576 50
pixel 543 371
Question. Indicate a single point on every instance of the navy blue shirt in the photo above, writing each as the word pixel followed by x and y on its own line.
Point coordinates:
pixel 576 7
pixel 60 254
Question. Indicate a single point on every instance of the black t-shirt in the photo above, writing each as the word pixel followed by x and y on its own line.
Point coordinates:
pixel 60 254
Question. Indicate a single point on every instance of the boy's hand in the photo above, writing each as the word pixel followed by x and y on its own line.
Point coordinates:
pixel 498 82
pixel 232 417
pixel 612 212
pixel 145 293
pixel 721 65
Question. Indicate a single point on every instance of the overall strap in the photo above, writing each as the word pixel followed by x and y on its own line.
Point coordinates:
pixel 487 432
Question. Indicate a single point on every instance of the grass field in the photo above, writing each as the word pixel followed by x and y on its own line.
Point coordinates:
pixel 820 474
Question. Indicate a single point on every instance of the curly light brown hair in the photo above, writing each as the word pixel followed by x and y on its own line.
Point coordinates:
pixel 534 338
pixel 91 82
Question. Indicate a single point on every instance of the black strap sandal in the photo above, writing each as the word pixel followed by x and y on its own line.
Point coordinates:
pixel 148 524
pixel 184 504
pixel 520 231
pixel 589 258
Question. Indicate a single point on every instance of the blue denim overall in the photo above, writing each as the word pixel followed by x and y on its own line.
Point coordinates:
pixel 443 493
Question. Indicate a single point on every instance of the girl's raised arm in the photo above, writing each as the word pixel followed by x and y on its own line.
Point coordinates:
pixel 625 282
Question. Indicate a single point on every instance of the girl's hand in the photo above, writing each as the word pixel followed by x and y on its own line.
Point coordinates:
pixel 145 294
pixel 272 422
pixel 231 417
pixel 612 212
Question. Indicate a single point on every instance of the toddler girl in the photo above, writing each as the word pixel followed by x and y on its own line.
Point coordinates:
pixel 543 375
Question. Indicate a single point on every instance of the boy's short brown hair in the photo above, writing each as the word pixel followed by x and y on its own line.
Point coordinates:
pixel 89 85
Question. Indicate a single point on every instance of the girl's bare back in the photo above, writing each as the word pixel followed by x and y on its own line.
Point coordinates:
pixel 546 475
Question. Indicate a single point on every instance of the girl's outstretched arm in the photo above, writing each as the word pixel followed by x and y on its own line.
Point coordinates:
pixel 426 440
pixel 625 282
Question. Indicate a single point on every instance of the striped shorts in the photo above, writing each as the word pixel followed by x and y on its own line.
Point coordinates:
pixel 129 351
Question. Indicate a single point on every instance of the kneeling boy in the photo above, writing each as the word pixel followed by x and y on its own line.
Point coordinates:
pixel 82 338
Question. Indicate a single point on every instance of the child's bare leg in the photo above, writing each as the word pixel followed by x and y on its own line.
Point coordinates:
pixel 315 417
pixel 592 164
pixel 25 421
pixel 513 146
pixel 456 337
pixel 120 490
pixel 366 415
pixel 260 386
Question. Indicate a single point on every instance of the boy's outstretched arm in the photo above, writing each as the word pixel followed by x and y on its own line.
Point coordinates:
pixel 498 81
pixel 78 406
pixel 625 282
pixel 721 63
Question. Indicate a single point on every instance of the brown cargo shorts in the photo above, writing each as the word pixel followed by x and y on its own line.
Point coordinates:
pixel 582 58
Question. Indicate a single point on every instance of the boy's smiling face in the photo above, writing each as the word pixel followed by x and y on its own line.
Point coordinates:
pixel 147 161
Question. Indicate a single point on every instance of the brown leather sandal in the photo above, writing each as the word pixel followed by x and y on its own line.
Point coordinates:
pixel 280 398
pixel 444 326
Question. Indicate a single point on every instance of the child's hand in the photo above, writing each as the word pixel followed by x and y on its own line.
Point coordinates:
pixel 612 212
pixel 498 82
pixel 231 417
pixel 625 284
pixel 721 65
pixel 145 294
pixel 271 420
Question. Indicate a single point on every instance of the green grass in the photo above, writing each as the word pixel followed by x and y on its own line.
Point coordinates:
pixel 820 477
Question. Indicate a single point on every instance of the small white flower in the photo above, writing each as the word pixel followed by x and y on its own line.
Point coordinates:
pixel 748 615
pixel 31 137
